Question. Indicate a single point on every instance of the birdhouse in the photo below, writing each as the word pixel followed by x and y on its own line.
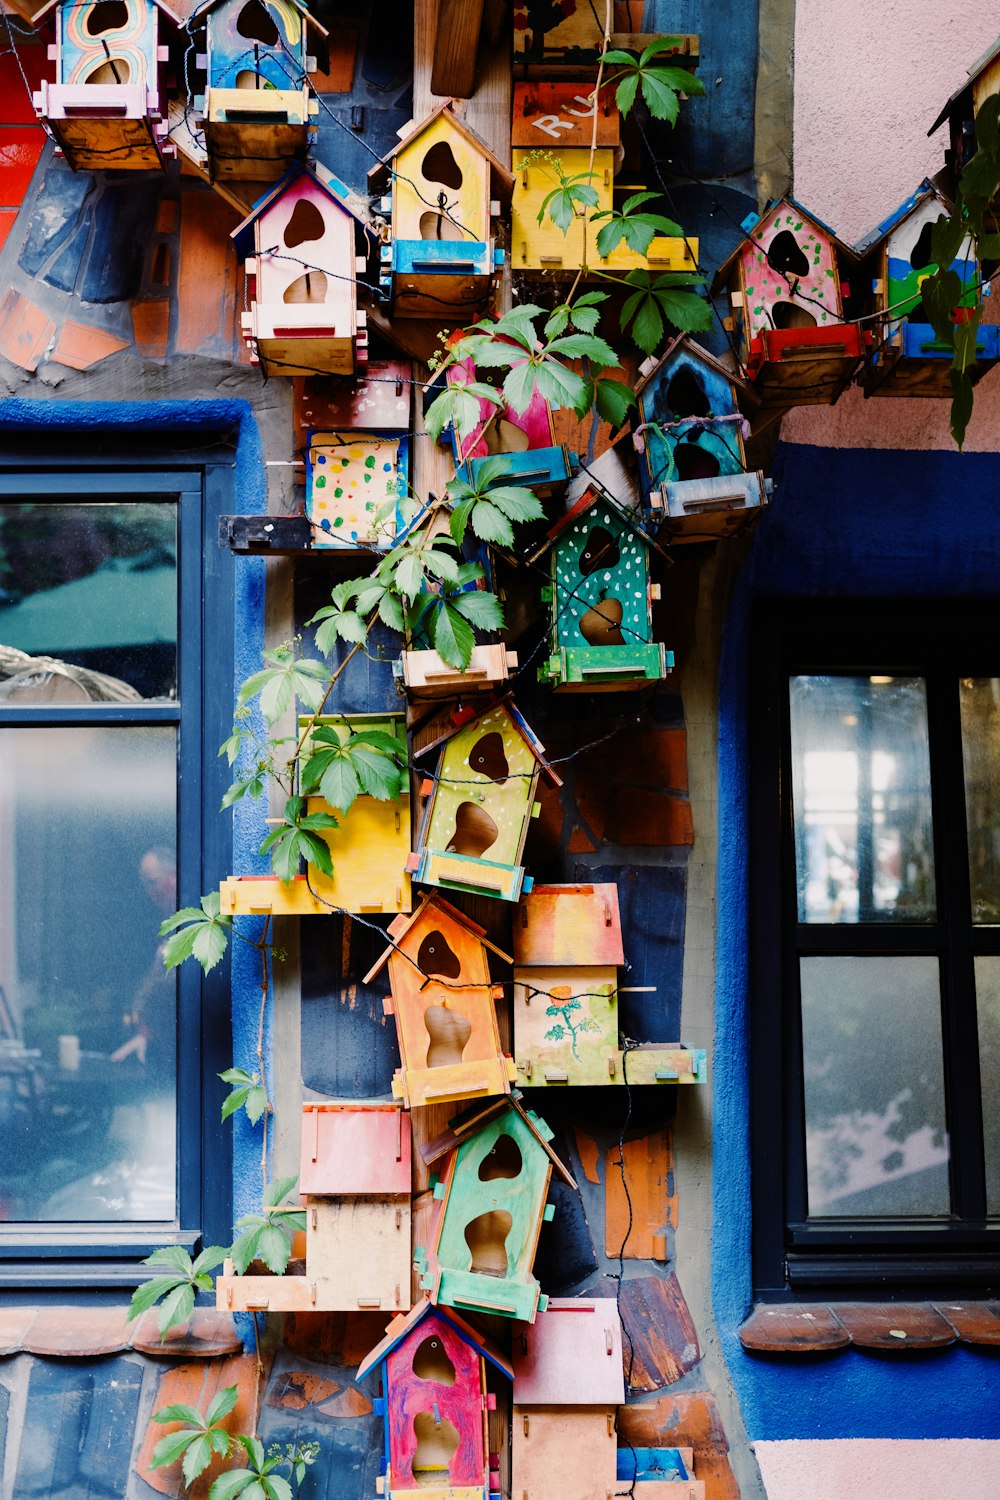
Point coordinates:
pixel 557 119
pixel 526 439
pixel 568 1384
pixel 646 1473
pixel 600 600
pixel 689 439
pixel 786 296
pixel 909 359
pixel 425 675
pixel 961 113
pixel 480 802
pixel 298 246
pixel 567 952
pixel 435 1406
pixel 258 108
pixel 354 483
pixel 443 1004
pixel 493 1193
pixel 105 109
pixel 446 187
pixel 369 848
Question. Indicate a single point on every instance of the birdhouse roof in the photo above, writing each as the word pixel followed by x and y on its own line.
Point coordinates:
pixel 519 723
pixel 979 66
pixel 569 924
pixel 401 925
pixel 172 15
pixel 405 1323
pixel 685 344
pixel 927 189
pixel 464 1126
pixel 337 191
pixel 751 224
pixel 593 496
pixel 571 1355
pixel 355 1149
pixel 501 177
pixel 309 19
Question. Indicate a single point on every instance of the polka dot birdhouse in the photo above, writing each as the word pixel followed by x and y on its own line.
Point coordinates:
pixel 908 358
pixel 688 437
pixel 786 297
pixel 257 111
pixel 435 1405
pixel 492 1194
pixel 479 806
pixel 443 1005
pixel 600 601
pixel 106 109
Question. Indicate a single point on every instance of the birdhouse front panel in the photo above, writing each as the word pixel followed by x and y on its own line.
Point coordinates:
pixel 256 46
pixel 571 1356
pixel 351 1148
pixel 566 1026
pixel 570 1453
pixel 525 438
pixel 435 1412
pixel 788 274
pixel 441 188
pixel 426 676
pixel 359 1251
pixel 549 114
pixel 354 482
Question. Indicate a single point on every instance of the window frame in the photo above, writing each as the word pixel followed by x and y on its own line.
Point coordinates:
pixel 941 641
pixel 36 1256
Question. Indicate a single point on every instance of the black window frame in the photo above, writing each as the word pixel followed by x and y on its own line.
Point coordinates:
pixel 119 465
pixel 942 641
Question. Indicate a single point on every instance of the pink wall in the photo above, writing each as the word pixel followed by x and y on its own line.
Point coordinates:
pixel 949 1469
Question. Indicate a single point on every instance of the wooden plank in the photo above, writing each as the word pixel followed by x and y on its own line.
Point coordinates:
pixel 648 1164
pixel 207 320
pixel 569 924
pixel 565 1453
pixel 453 69
pixel 974 1322
pixel 684 1419
pixel 899 1325
pixel 487 112
pixel 264 1293
pixel 358 1253
pixel 353 1149
pixel 794 1328
pixel 660 1339
pixel 572 1356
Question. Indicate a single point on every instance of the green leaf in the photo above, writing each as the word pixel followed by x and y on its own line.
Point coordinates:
pixel 273 1248
pixel 490 524
pixel 961 404
pixel 222 1405
pixel 196 1459
pixel 459 520
pixel 205 937
pixel 659 98
pixel 451 636
pixel 230 748
pixel 557 323
pixel 613 399
pixel 686 310
pixel 340 785
pixel 585 346
pixel 210 1257
pixel 390 611
pixel 647 329
pixel 517 502
pixel 480 608
pixel 210 942
pixel 519 386
pixel 277 1488
pixel 626 90
pixel 278 1190
pixel 176 1307
pixel 231 1484
pixel 559 386
pixel 172 1447
pixel 180 1412
pixel 379 776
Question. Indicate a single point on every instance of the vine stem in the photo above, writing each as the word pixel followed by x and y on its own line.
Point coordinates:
pixel 257 1375
pixel 264 989
pixel 330 687
pixel 593 135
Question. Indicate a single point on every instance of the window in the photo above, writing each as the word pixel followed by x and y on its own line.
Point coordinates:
pixel 109 724
pixel 875 920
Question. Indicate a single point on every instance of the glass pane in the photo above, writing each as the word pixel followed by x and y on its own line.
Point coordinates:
pixel 874 1086
pixel 87 1011
pixel 92 588
pixel 980 704
pixel 862 799
pixel 988 1012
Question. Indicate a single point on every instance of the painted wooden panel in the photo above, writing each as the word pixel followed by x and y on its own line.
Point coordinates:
pixel 908 262
pixel 255 46
pixel 690 427
pixel 564 1453
pixel 636 1225
pixel 358 1252
pixel 264 1293
pixel 499 430
pixel 569 924
pixel 788 274
pixel 435 1399
pixel 425 675
pixel 442 187
pixel 354 481
pixel 100 45
pixel 549 114
pixel 566 1025
pixel 657 1063
pixel 571 1356
pixel 379 400
pixel 354 1149
pixel 124 139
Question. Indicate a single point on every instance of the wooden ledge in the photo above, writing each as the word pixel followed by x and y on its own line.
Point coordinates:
pixel 54 1332
pixel 800 1328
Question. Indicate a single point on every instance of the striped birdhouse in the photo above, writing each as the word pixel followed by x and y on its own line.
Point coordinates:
pixel 526 439
pixel 258 111
pixel 909 359
pixel 557 119
pixel 443 1005
pixel 567 952
pixel 601 600
pixel 479 806
pixel 446 187
pixel 492 1196
pixel 689 441
pixel 435 1406
pixel 299 245
pixel 105 109
pixel 785 281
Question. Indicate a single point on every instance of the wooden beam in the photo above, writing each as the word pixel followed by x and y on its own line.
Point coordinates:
pixel 453 68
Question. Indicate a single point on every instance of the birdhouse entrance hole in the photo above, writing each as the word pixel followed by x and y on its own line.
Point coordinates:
pixel 486 1237
pixel 449 1033
pixel 255 23
pixel 475 831
pixel 112 70
pixel 790 315
pixel 435 225
pixel 431 1362
pixel 600 551
pixel 503 1161
pixel 305 224
pixel 312 287
pixel 105 16
pixel 785 255
pixel 437 1443
pixel 920 255
pixel 686 394
pixel 488 758
pixel 695 462
pixel 502 436
pixel 601 626
pixel 246 78
pixel 439 165
pixel 435 956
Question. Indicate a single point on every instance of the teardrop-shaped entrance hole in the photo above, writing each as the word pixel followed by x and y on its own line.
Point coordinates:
pixel 439 165
pixel 305 224
pixel 503 1161
pixel 600 550
pixel 487 756
pixel 602 625
pixel 686 394
pixel 449 1033
pixel 436 956
pixel 437 226
pixel 431 1362
pixel 785 255
pixel 312 287
pixel 437 1443
pixel 920 255
pixel 475 831
pixel 246 78
pixel 486 1237
pixel 105 16
pixel 695 462
pixel 790 315
pixel 113 70
pixel 503 437
pixel 256 24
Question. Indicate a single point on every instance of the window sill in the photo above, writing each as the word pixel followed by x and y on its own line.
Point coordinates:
pixel 821 1328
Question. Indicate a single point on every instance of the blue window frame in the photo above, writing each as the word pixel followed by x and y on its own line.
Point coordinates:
pixel 92 1228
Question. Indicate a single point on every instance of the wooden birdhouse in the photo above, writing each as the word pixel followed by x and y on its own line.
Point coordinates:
pixel 258 108
pixel 106 108
pixel 568 1384
pixel 689 440
pixel 600 600
pixel 446 188
pixel 435 1406
pixel 354 483
pixel 525 438
pixel 298 246
pixel 480 803
pixel 493 1193
pixel 785 281
pixel 443 1004
pixel 908 358
pixel 558 120
pixel 961 113
pixel 369 847
pixel 567 952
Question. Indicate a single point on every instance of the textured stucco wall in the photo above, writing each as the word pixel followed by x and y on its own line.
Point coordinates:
pixel 892 1471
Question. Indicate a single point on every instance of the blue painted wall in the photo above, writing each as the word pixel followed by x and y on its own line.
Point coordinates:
pixel 843 523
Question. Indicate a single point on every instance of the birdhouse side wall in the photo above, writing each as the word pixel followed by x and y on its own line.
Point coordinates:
pixel 460 1403
pixel 232 54
pixel 353 485
pixel 439 994
pixel 369 850
pixel 804 274
pixel 905 267
pixel 467 801
pixel 563 1451
pixel 565 1025
pixel 81 52
pixel 441 160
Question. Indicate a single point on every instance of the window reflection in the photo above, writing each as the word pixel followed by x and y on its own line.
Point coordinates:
pixel 980 705
pixel 861 799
